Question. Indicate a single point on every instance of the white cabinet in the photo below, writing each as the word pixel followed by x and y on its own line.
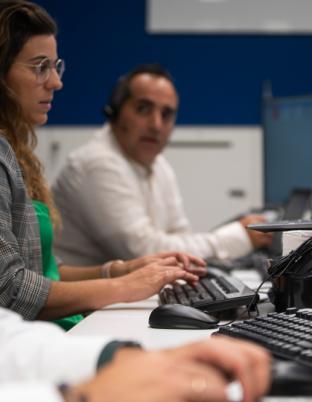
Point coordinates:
pixel 219 169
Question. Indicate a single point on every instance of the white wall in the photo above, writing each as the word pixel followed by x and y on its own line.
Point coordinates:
pixel 240 16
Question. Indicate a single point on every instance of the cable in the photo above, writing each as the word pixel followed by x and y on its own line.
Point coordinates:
pixel 292 263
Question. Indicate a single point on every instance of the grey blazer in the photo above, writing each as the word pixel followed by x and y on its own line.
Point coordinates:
pixel 22 285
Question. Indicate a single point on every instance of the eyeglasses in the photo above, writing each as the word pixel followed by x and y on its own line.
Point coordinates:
pixel 44 68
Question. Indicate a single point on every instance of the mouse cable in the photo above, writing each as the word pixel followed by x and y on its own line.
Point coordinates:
pixel 252 305
pixel 276 270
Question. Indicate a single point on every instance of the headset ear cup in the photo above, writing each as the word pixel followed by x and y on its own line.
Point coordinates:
pixel 108 112
pixel 118 95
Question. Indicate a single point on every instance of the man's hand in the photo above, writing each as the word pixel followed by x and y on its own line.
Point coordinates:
pixel 258 239
pixel 198 372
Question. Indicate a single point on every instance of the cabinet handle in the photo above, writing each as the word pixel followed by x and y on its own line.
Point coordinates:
pixel 200 144
pixel 237 193
pixel 55 146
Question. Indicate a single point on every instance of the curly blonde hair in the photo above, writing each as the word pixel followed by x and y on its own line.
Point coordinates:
pixel 19 21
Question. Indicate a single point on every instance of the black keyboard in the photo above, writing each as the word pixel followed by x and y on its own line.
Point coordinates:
pixel 287 335
pixel 215 292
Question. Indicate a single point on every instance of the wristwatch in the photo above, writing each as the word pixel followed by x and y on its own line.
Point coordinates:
pixel 111 348
pixel 106 356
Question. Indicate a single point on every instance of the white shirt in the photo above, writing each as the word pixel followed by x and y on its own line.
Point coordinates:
pixel 41 351
pixel 29 392
pixel 114 208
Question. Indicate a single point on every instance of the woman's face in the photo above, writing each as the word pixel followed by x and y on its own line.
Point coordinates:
pixel 34 96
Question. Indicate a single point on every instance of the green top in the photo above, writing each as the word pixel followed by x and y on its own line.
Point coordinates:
pixel 49 265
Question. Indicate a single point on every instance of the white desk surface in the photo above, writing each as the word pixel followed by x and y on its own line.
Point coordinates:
pixel 130 321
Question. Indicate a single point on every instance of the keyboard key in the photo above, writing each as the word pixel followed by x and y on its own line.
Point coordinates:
pixel 215 292
pixel 286 336
pixel 227 285
pixel 212 289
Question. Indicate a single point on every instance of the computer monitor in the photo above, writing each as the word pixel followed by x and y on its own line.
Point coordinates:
pixel 287 124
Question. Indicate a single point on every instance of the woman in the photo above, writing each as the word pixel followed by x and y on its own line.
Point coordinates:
pixel 31 283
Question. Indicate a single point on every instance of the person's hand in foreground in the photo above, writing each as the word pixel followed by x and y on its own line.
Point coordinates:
pixel 197 372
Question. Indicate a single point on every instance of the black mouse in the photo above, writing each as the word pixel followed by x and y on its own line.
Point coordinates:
pixel 290 378
pixel 178 316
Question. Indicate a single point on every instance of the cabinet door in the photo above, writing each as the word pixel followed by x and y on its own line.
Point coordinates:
pixel 219 171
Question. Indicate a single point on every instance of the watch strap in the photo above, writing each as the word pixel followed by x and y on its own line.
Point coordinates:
pixel 107 354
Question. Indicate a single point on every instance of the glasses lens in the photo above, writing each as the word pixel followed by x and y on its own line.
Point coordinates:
pixel 43 70
pixel 60 67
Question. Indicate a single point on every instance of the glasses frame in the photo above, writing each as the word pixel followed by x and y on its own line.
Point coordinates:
pixel 42 77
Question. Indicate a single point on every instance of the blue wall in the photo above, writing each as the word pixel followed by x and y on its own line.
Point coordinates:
pixel 219 77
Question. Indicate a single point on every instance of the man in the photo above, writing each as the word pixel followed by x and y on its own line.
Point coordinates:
pixel 36 358
pixel 119 197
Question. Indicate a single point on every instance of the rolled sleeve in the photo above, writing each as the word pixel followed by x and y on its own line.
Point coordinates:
pixel 32 293
pixel 231 241
pixel 22 285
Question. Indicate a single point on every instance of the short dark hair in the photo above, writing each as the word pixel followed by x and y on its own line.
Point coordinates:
pixel 121 91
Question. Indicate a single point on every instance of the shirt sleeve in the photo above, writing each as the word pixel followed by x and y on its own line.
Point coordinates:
pixel 21 289
pixel 29 392
pixel 118 217
pixel 42 351
pixel 232 241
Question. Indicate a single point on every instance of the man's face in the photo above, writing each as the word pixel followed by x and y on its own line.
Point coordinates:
pixel 147 118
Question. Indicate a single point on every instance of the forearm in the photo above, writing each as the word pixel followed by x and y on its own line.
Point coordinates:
pixel 71 273
pixel 67 298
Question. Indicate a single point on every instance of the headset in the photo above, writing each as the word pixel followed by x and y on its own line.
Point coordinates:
pixel 119 95
pixel 121 90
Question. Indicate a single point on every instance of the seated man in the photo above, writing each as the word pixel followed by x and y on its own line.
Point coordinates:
pixel 58 367
pixel 125 193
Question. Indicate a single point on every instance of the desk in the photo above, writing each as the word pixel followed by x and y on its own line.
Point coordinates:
pixel 130 321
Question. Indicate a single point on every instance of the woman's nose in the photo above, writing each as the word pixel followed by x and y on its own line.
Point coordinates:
pixel 54 82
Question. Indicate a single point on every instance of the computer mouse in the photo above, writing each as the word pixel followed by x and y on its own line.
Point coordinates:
pixel 178 316
pixel 290 378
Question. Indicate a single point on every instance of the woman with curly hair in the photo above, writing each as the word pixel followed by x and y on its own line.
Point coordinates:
pixel 32 282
